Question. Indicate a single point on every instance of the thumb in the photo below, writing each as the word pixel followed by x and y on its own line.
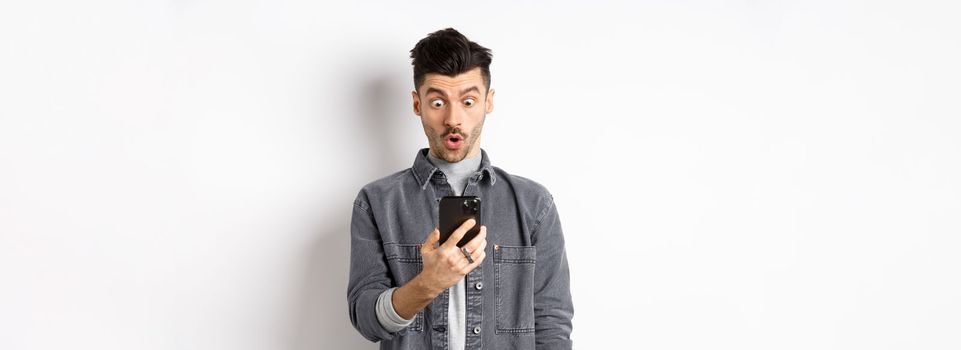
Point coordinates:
pixel 432 239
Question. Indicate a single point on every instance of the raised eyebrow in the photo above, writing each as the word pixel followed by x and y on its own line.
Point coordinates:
pixel 435 90
pixel 472 88
pixel 442 93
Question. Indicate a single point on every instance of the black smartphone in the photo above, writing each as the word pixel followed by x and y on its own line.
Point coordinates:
pixel 454 210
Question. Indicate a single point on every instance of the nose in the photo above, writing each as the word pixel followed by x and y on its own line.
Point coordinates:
pixel 454 117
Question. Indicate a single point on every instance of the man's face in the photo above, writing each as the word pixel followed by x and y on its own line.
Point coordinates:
pixel 452 110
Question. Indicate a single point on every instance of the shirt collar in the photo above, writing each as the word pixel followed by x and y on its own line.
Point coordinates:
pixel 423 169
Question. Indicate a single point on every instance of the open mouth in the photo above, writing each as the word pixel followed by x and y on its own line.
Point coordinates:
pixel 453 141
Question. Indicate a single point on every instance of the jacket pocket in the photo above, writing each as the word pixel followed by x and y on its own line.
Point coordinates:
pixel 514 278
pixel 405 262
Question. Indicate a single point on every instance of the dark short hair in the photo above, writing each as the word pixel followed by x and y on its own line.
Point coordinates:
pixel 448 52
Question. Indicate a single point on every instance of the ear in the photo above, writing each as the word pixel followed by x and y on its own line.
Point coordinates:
pixel 413 95
pixel 490 101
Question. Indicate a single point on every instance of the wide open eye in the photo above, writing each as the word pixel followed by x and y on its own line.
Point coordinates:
pixel 437 103
pixel 469 102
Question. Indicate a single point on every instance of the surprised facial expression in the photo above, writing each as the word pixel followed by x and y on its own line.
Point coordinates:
pixel 452 110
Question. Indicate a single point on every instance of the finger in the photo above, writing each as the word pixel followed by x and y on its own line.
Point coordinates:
pixel 459 233
pixel 432 239
pixel 474 253
pixel 478 260
pixel 479 242
pixel 468 256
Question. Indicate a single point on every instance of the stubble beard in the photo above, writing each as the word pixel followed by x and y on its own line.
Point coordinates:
pixel 436 142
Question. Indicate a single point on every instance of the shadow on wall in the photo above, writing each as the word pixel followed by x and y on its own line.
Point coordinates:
pixel 325 322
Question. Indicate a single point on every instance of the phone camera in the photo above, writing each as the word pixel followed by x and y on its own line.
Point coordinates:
pixel 472 205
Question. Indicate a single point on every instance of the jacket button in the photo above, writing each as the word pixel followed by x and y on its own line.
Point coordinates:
pixel 497 247
pixel 479 285
pixel 440 328
pixel 477 330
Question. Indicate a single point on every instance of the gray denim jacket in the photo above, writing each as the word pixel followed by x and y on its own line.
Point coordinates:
pixel 519 298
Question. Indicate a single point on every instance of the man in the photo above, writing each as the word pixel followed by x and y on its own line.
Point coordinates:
pixel 410 292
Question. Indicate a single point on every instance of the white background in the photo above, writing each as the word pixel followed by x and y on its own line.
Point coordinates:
pixel 730 175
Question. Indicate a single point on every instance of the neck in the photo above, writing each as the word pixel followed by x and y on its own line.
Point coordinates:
pixel 457 173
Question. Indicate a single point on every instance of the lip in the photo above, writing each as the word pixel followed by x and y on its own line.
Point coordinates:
pixel 453 142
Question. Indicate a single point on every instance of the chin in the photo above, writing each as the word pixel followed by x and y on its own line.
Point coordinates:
pixel 456 156
pixel 452 156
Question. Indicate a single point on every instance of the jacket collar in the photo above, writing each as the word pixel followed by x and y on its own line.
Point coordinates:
pixel 423 169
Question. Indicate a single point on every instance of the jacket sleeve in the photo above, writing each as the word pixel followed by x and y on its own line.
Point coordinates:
pixel 368 273
pixel 553 308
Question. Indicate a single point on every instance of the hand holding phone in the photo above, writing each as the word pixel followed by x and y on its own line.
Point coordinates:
pixel 453 211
